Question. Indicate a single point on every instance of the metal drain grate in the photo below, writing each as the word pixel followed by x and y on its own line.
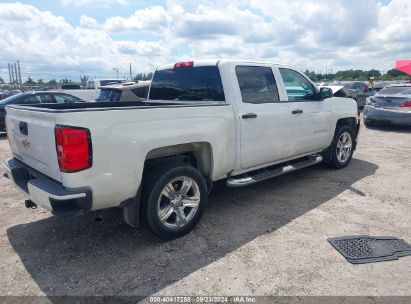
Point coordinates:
pixel 369 249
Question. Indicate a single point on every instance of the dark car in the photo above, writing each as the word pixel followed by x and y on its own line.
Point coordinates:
pixel 33 98
pixel 356 87
pixel 355 90
pixel 391 105
pixel 7 93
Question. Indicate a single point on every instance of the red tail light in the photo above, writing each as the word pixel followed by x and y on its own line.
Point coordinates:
pixel 406 104
pixel 73 147
pixel 187 64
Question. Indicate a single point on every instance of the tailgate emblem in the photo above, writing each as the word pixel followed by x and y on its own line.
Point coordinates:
pixel 25 143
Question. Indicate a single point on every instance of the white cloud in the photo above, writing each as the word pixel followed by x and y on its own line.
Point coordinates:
pixel 48 43
pixel 354 34
pixel 93 3
pixel 87 21
pixel 152 19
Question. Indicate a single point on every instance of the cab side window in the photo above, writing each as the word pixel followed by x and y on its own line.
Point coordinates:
pixel 33 99
pixel 298 87
pixel 46 98
pixel 63 98
pixel 257 84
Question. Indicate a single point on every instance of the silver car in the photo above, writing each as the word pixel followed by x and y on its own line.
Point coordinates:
pixel 391 105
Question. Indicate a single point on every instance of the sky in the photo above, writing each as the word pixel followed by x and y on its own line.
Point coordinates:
pixel 66 38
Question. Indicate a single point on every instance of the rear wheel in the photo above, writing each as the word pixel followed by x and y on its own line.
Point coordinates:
pixel 175 199
pixel 342 147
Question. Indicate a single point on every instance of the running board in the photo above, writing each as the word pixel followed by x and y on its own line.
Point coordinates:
pixel 251 178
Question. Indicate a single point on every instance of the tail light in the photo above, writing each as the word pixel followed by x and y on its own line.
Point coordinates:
pixel 406 104
pixel 186 64
pixel 74 150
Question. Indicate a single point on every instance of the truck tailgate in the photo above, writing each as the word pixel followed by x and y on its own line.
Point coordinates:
pixel 32 139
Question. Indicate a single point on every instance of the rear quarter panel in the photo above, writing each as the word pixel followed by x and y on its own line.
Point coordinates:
pixel 121 140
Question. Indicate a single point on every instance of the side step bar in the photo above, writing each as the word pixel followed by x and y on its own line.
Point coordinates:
pixel 251 178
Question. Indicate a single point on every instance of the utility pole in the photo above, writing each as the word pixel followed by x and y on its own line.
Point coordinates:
pixel 15 72
pixel 130 73
pixel 326 64
pixel 116 69
pixel 11 81
pixel 12 75
pixel 18 66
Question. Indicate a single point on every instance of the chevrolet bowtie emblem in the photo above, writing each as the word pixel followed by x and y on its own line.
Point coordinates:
pixel 25 143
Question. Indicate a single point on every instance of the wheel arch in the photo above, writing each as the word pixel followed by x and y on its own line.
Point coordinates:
pixel 198 155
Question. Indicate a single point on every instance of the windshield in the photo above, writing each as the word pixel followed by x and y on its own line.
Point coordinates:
pixel 406 90
pixel 109 95
pixel 191 84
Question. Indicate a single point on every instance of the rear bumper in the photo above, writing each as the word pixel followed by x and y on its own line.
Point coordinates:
pixel 46 192
pixel 386 116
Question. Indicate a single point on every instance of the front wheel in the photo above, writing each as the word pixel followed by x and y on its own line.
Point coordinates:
pixel 342 147
pixel 175 200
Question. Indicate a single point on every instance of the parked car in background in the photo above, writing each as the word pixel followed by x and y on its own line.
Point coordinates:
pixel 127 91
pixel 7 93
pixel 83 94
pixel 362 97
pixel 391 105
pixel 356 90
pixel 34 98
pixel 95 84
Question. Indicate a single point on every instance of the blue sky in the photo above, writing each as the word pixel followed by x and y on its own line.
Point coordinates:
pixel 63 38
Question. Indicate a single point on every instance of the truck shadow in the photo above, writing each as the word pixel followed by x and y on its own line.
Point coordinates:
pixel 80 256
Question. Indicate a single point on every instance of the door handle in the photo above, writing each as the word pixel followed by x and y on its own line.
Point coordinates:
pixel 249 115
pixel 23 128
pixel 297 111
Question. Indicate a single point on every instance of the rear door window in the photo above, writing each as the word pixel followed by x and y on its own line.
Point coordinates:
pixel 396 90
pixel 30 100
pixel 257 84
pixel 188 84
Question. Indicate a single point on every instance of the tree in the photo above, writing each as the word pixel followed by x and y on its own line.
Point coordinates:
pixel 40 82
pixel 141 76
pixel 1 80
pixel 30 82
pixel 395 73
pixel 52 83
pixel 83 80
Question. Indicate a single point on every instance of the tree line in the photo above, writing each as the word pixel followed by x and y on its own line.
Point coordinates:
pixel 360 75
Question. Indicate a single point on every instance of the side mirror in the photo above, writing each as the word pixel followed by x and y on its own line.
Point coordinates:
pixel 326 93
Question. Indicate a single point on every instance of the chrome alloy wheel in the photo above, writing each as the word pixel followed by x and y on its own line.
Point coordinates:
pixel 178 202
pixel 344 147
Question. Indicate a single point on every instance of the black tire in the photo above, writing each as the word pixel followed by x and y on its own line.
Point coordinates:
pixel 335 160
pixel 153 186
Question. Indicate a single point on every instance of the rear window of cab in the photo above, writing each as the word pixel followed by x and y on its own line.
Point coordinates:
pixel 188 84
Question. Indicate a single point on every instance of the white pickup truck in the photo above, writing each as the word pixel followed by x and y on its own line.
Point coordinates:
pixel 204 121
